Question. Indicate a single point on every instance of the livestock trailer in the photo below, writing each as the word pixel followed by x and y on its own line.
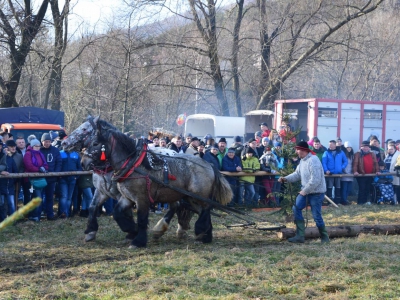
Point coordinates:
pixel 351 120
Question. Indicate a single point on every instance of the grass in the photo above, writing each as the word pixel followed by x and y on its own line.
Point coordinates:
pixel 49 260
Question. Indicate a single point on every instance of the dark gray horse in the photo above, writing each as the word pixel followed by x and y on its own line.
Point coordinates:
pixel 106 188
pixel 141 179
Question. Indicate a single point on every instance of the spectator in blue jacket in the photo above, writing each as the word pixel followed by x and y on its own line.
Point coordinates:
pixel 233 163
pixel 53 159
pixel 70 162
pixel 334 161
pixel 211 156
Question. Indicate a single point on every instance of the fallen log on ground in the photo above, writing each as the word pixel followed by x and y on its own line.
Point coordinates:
pixel 342 231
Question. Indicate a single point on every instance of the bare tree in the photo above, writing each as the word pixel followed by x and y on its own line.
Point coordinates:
pixel 18 28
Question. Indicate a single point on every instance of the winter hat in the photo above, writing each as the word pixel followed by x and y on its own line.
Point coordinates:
pixel 257 133
pixel 231 150
pixel 222 140
pixel 207 136
pixel 31 137
pixel 189 135
pixel 251 140
pixel 195 139
pixel 302 145
pixel 250 150
pixel 45 137
pixel 279 144
pixel 35 142
pixel 11 143
pixel 53 135
pixel 347 144
pixel 263 123
pixel 265 139
pixel 215 146
pixel 237 139
pixel 365 143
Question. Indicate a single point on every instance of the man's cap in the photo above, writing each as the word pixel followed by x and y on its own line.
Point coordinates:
pixel 195 139
pixel 189 135
pixel 53 134
pixel 11 143
pixel 365 143
pixel 215 146
pixel 302 145
pixel 222 140
pixel 263 123
pixel 45 137
pixel 208 136
pixel 231 150
pixel 250 150
pixel 251 140
pixel 237 139
pixel 258 133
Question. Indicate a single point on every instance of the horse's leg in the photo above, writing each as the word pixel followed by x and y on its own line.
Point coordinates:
pixel 92 225
pixel 203 226
pixel 162 226
pixel 140 240
pixel 184 215
pixel 123 215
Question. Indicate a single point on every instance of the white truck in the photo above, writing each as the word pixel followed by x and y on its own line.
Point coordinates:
pixel 200 125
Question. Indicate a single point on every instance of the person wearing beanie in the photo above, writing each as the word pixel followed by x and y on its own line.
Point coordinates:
pixel 334 161
pixel 365 162
pixel 311 174
pixel 346 183
pixel 53 160
pixel 30 138
pixel 35 162
pixel 238 146
pixel 250 165
pixel 258 137
pixel 212 157
pixel 222 150
pixel 232 163
pixel 374 145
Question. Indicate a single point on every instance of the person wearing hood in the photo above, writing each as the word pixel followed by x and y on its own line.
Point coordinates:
pixel 35 162
pixel 250 165
pixel 364 162
pixel 334 161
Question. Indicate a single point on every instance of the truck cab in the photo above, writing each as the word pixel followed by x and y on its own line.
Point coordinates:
pixel 26 129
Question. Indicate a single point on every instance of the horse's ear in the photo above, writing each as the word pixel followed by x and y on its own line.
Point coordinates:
pixel 96 119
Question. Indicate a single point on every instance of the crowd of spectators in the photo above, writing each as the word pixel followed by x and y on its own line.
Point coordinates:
pixel 261 153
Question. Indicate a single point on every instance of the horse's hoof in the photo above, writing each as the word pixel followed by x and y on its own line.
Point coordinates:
pixel 130 237
pixel 91 236
pixel 157 234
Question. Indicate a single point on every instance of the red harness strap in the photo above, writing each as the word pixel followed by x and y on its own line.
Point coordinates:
pixel 135 165
pixel 102 172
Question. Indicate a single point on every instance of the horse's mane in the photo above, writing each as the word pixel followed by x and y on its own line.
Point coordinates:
pixel 123 140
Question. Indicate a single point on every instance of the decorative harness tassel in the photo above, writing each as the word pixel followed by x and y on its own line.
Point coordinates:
pixel 103 153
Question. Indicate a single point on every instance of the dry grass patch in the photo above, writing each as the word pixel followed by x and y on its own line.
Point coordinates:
pixel 50 261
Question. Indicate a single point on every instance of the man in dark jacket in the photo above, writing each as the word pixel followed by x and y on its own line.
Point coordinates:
pixel 53 159
pixel 232 163
pixel 3 185
pixel 211 156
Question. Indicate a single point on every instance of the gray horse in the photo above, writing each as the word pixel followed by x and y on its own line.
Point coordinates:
pixel 141 179
pixel 107 188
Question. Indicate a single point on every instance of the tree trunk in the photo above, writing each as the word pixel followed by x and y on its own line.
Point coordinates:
pixel 342 231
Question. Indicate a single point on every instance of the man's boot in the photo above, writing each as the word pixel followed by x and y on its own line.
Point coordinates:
pixel 324 234
pixel 338 198
pixel 300 229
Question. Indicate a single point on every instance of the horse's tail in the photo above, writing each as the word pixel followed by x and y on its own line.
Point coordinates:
pixel 221 190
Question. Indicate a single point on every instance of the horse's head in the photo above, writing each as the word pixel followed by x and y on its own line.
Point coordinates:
pixel 92 156
pixel 80 137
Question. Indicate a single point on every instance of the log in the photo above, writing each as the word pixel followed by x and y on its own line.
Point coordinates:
pixel 342 231
pixel 49 174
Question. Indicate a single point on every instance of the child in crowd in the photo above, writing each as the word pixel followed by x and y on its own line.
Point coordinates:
pixel 269 164
pixel 384 184
pixel 250 165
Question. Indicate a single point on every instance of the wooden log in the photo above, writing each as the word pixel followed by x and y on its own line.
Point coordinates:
pixel 342 231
